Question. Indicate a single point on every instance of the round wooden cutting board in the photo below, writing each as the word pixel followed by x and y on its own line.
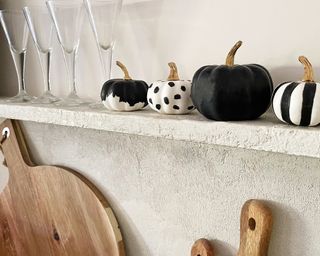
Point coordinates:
pixel 48 210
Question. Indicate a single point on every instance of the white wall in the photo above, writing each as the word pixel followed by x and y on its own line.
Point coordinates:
pixel 168 194
pixel 190 190
pixel 192 33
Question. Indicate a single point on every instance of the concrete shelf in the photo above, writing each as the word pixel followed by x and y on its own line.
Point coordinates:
pixel 266 133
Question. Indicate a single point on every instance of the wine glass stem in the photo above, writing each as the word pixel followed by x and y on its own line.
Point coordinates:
pixel 71 70
pixel 19 63
pixel 45 61
pixel 106 60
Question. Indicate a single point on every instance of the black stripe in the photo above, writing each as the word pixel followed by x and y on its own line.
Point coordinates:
pixel 277 88
pixel 285 102
pixel 308 96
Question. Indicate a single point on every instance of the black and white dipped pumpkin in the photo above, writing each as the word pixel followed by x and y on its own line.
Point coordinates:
pixel 124 94
pixel 298 103
pixel 232 92
pixel 171 97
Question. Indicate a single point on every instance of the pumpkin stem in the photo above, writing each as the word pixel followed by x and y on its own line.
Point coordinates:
pixel 230 57
pixel 125 70
pixel 308 70
pixel 173 76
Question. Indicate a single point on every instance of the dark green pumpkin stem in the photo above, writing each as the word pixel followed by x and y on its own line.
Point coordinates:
pixel 230 57
pixel 125 70
pixel 173 76
pixel 308 70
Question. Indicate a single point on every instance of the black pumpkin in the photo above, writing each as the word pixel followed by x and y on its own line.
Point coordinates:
pixel 124 94
pixel 232 92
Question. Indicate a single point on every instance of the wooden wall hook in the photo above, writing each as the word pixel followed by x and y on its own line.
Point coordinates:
pixel 202 247
pixel 255 229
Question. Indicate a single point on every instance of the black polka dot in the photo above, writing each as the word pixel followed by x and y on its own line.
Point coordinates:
pixel 183 88
pixel 171 84
pixel 177 97
pixel 158 106
pixel 176 107
pixel 150 100
pixel 191 107
pixel 156 89
pixel 150 85
pixel 166 100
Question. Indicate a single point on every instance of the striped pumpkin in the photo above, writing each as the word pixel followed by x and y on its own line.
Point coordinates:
pixel 298 103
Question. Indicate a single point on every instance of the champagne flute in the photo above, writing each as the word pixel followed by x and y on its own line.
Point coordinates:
pixel 16 31
pixel 41 28
pixel 103 16
pixel 67 16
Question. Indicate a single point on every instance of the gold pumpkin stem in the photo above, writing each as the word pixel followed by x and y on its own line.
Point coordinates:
pixel 308 70
pixel 230 57
pixel 173 76
pixel 125 70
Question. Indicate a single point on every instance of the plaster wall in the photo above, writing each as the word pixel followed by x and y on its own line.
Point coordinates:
pixel 168 193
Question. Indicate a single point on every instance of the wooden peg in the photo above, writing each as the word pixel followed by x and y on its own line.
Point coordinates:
pixel 255 229
pixel 202 247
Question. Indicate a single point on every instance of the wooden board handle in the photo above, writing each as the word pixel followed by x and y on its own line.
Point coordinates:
pixel 255 229
pixel 14 146
pixel 202 247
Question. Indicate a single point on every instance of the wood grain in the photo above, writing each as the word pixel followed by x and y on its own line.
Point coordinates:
pixel 48 210
pixel 255 229
pixel 202 247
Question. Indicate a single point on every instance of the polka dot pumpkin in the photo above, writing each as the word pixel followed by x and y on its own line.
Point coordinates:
pixel 172 97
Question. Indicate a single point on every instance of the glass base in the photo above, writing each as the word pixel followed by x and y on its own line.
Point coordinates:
pixel 72 100
pixel 46 98
pixel 97 105
pixel 21 97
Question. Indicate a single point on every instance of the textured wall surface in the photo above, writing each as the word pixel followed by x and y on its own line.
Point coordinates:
pixel 167 194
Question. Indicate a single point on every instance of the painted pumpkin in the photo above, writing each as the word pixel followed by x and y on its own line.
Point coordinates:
pixel 171 97
pixel 232 92
pixel 124 94
pixel 298 102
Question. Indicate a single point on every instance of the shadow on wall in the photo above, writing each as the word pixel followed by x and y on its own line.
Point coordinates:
pixel 291 73
pixel 142 17
pixel 288 226
pixel 144 23
pixel 223 249
pixel 131 235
